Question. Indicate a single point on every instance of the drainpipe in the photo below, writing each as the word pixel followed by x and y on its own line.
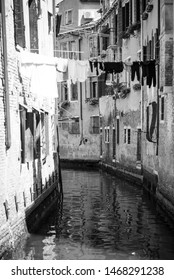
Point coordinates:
pixel 158 80
pixel 80 99
pixel 6 86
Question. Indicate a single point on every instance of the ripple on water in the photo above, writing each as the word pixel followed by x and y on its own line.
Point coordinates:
pixel 102 218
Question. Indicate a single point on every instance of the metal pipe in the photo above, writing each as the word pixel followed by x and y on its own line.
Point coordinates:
pixel 6 85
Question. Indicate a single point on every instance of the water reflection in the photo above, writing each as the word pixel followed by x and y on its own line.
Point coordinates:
pixel 102 217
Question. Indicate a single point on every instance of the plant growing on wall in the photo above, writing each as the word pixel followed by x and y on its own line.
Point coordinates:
pixel 149 7
pixel 137 87
pixel 144 15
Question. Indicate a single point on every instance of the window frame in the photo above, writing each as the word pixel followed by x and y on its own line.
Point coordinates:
pixel 66 17
pixel 162 109
pixel 107 131
pixel 95 129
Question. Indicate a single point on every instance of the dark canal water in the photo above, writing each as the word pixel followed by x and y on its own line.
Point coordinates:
pixel 102 217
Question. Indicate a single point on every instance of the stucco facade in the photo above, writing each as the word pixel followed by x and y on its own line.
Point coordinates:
pixel 81 142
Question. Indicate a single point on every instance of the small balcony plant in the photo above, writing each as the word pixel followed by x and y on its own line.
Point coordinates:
pixel 136 87
pixel 149 7
pixel 145 15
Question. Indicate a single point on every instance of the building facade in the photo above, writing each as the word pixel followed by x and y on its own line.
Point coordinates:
pixel 78 101
pixel 136 129
pixel 28 141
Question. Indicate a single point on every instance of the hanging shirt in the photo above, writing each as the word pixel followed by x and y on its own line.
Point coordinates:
pixel 62 64
pixel 72 70
pixel 82 69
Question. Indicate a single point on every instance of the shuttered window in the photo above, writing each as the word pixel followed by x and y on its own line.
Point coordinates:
pixel 74 127
pixel 94 120
pixel 29 137
pixel 19 28
pixel 118 131
pixel 34 46
pixel 74 92
pixel 58 22
pixel 22 132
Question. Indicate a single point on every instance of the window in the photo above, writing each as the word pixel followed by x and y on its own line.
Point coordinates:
pixel 129 136
pixel 118 131
pixel 116 29
pixel 58 23
pixel 125 17
pixel 107 134
pixel 64 91
pixel 95 124
pixel 101 150
pixel 74 92
pixel 74 127
pixel 19 28
pixel 114 143
pixel 68 17
pixel 34 45
pixel 125 135
pixel 162 108
pixel 50 24
pixel 144 5
pixel 64 52
pixel 94 88
pixel 137 9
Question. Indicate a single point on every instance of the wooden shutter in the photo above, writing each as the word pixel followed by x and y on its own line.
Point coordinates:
pixel 29 137
pixel 58 22
pixel 47 133
pixel 19 28
pixel 101 85
pixel 34 46
pixel 22 129
pixel 123 19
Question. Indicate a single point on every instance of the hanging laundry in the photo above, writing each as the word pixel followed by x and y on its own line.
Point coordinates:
pixel 82 69
pixel 154 117
pixel 149 71
pixel 96 67
pixel 113 67
pixel 62 64
pixel 135 68
pixel 72 70
pixel 101 66
pixel 91 65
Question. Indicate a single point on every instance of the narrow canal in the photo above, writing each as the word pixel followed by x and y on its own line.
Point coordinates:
pixel 102 217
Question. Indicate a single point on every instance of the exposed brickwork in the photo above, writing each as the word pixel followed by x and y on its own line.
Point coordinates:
pixel 17 180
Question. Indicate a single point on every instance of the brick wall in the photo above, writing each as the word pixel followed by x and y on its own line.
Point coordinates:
pixel 17 179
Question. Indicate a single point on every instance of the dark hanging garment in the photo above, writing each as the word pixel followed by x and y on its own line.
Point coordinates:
pixel 151 75
pixel 58 22
pixel 91 65
pixel 101 66
pixel 144 66
pixel 154 117
pixel 147 125
pixel 113 68
pixel 96 67
pixel 135 68
pixel 101 85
